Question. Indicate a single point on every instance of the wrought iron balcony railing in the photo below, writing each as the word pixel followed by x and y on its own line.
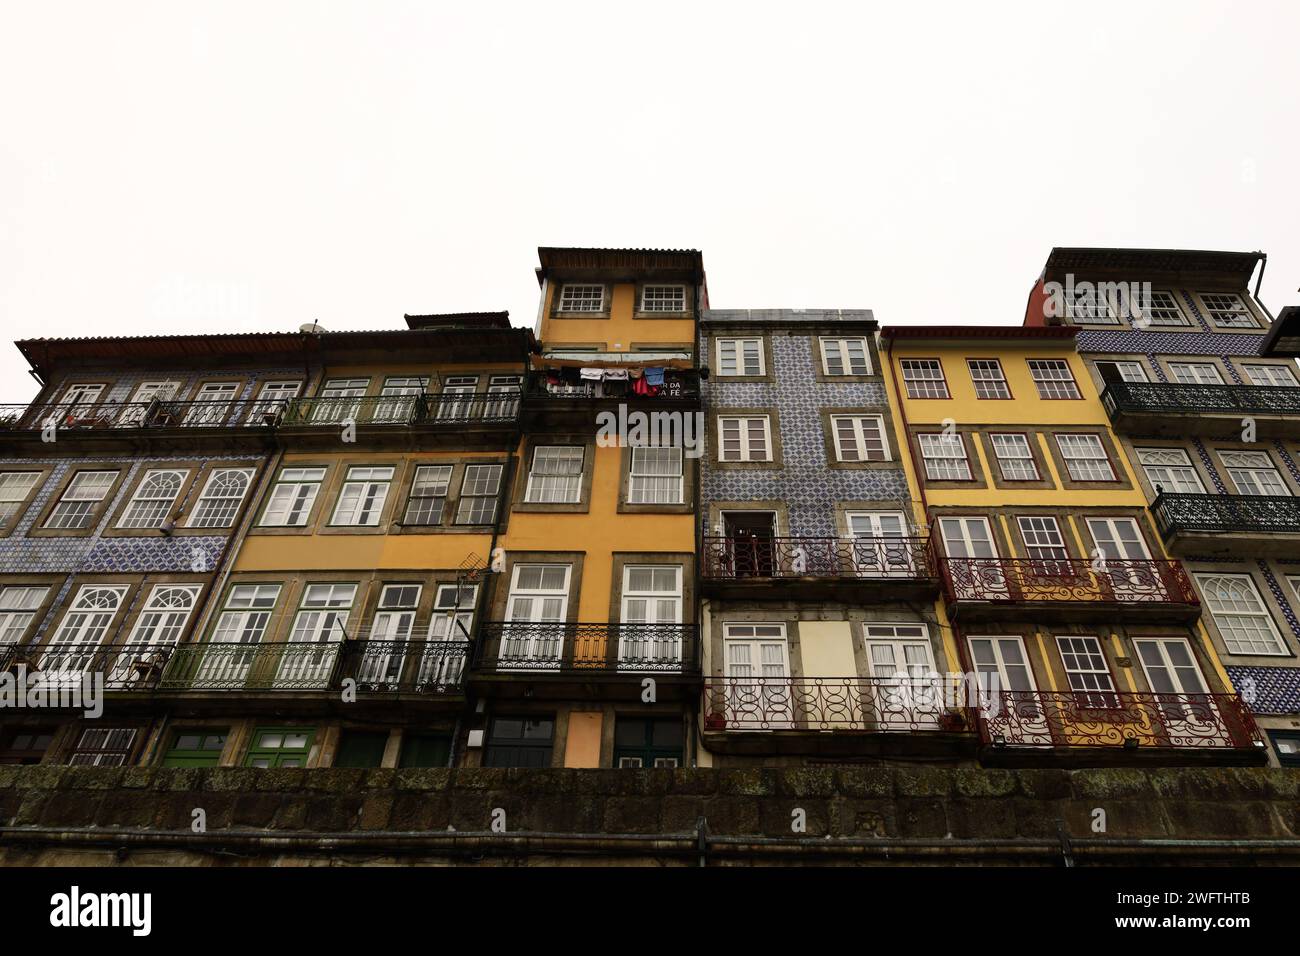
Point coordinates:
pixel 1149 397
pixel 850 558
pixel 564 647
pixel 396 666
pixel 678 383
pixel 1055 581
pixel 281 666
pixel 869 704
pixel 440 409
pixel 1117 719
pixel 1218 514
pixel 116 416
pixel 123 666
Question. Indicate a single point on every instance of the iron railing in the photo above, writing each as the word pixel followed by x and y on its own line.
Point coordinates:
pixel 159 413
pixel 1053 581
pixel 862 558
pixel 418 667
pixel 869 704
pixel 678 383
pixel 123 666
pixel 1147 397
pixel 588 648
pixel 1117 719
pixel 1178 513
pixel 280 666
pixel 440 409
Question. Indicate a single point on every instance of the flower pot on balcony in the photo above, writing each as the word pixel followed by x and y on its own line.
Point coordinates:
pixel 952 720
pixel 715 722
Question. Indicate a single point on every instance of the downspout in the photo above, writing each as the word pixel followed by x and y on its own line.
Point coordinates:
pixel 693 758
pixel 1259 282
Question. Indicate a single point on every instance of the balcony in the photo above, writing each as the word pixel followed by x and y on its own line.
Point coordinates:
pixel 1175 727
pixel 836 715
pixel 866 568
pixel 1105 590
pixel 483 417
pixel 164 423
pixel 1176 410
pixel 125 667
pixel 1224 524
pixel 611 659
pixel 551 400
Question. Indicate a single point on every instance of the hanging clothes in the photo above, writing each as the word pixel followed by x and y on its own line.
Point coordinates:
pixel 655 376
pixel 616 375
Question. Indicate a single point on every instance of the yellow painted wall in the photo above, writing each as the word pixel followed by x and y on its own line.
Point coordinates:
pixel 826 648
pixel 582 745
pixel 619 331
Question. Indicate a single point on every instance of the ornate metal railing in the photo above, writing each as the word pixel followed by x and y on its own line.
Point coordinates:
pixel 283 666
pixel 123 666
pixel 740 558
pixel 1194 399
pixel 874 704
pixel 419 667
pixel 588 648
pixel 1059 581
pixel 111 416
pixel 678 383
pixel 1116 719
pixel 1209 514
pixel 440 409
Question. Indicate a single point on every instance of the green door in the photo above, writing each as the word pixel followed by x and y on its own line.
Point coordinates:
pixel 195 748
pixel 280 747
pixel 425 750
pixel 361 748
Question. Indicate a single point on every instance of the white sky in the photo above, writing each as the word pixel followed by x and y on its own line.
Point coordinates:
pixel 251 166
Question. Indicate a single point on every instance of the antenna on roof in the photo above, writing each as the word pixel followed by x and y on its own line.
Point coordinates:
pixel 311 328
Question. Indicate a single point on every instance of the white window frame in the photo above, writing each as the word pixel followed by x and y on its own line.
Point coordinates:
pixel 1000 442
pixel 551 478
pixel 1086 670
pixel 1228 314
pixel 272 397
pixel 747 448
pixel 643 485
pixel 1263 474
pixel 221 394
pixel 649 304
pixel 1235 639
pixel 1069 444
pixel 12 493
pixel 1158 308
pixel 71 517
pixel 1257 373
pixel 839 347
pixel 473 485
pixel 922 376
pixel 246 613
pixel 428 478
pixel 1194 373
pixel 292 497
pixel 18 606
pixel 323 612
pixel 930 442
pixel 1050 383
pixel 579 294
pixel 992 377
pixel 1125 367
pixel 740 356
pixel 166 614
pixel 207 512
pixel 1178 471
pixel 861 441
pixel 367 487
pixel 156 507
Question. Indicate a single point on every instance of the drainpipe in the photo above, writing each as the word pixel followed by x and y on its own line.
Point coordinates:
pixel 1259 281
pixel 698 530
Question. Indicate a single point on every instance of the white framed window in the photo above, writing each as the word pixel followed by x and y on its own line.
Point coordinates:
pixel 556 474
pixel 453 613
pixel 859 438
pixel 77 505
pixel 1169 469
pixel 361 502
pixel 741 357
pixel 944 455
pixel 246 614
pixel 1000 661
pixel 923 378
pixel 663 298
pixel 756 652
pixel 146 393
pixel 323 613
pixel 898 649
pixel 221 497
pixel 1170 668
pixel 271 399
pixel 15 486
pixel 1161 308
pixel 582 297
pixel 1085 458
pixel 539 594
pixel 153 498
pixel 1240 614
pixel 1014 456
pixel 165 614
pixel 1090 308
pixel 334 394
pixel 18 607
pixel 1086 669
pixel 103 747
pixel 1122 371
pixel 1227 310
pixel 78 397
pixel 456 400
pixel 478 494
pixel 1196 373
pixel 398 397
pixel 744 438
pixel 91 613
pixel 655 476
pixel 1275 376
pixel 988 378
pixel 1254 473
pixel 1053 378
pixel 292 497
pixel 845 356
pixel 212 403
pixel 652 594
pixel 429 489
pixel 1043 538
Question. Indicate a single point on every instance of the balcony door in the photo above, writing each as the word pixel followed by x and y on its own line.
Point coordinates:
pixel 398 398
pixel 334 406
pixel 1134 577
pixel 1012 713
pixel 212 404
pixel 158 628
pixel 385 651
pixel 652 603
pixel 879 546
pixel 319 630
pixel 503 396
pixel 450 627
pixel 72 651
pixel 902 671
pixel 975 570
pixel 749 545
pixel 533 637
pixel 1189 714
pixel 457 401
pixel 759 694
pixel 133 414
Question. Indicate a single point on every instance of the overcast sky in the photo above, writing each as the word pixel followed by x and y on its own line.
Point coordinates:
pixel 196 167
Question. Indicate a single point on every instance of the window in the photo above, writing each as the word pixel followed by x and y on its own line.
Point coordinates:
pixel 398 399
pixel 924 378
pixel 361 501
pixel 744 438
pixel 1227 310
pixel 18 607
pixel 647 742
pixel 757 667
pixel 655 477
pixel 478 495
pixel 425 750
pixel 246 614
pixel 146 393
pixel 1015 459
pixel 988 378
pixel 1169 469
pixel 361 748
pixel 1196 373
pixel 1091 308
pixel 1277 376
pixel 339 400
pixel 556 474
pixel 428 495
pixel 538 592
pixel 76 508
pixel 859 438
pixel 165 614
pixel 212 404
pixel 845 357
pixel 1085 458
pixel 196 748
pixel 78 399
pixel 740 357
pixel 663 298
pixel 519 742
pixel 1001 663
pixel 221 498
pixel 292 497
pixel 1286 744
pixel 652 594
pixel 153 499
pixel 1240 614
pixel 1085 666
pixel 1053 378
pixel 103 747
pixel 945 457
pixel 457 397
pixel 273 397
pixel 1253 472
pixel 25 745
pixel 87 621
pixel 582 298
pixel 280 747
pixel 15 486
pixel 1043 541
pixel 1161 308
pixel 323 613
pixel 897 649
pixel 453 613
pixel 1123 371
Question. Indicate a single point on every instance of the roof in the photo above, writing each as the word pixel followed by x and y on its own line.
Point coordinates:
pixel 480 320
pixel 966 332
pixel 863 318
pixel 578 262
pixel 1194 265
pixel 1283 336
